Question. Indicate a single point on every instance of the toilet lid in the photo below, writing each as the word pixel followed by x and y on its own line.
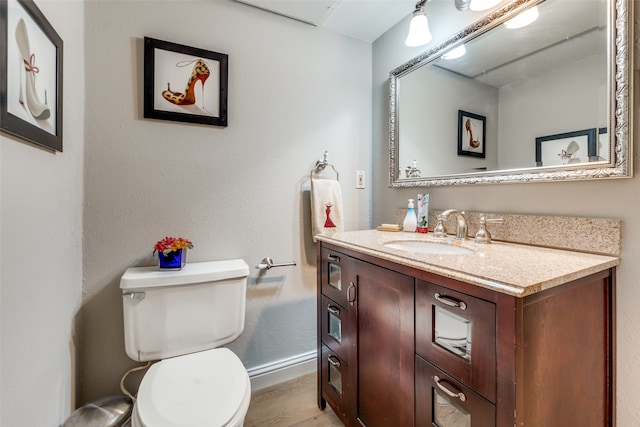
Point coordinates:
pixel 200 389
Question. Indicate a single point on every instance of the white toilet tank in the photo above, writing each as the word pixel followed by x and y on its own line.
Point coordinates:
pixel 171 313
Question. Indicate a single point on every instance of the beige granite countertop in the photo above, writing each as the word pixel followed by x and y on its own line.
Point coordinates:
pixel 514 269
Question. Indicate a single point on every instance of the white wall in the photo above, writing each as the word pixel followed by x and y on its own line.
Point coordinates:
pixel 610 199
pixel 41 251
pixel 236 192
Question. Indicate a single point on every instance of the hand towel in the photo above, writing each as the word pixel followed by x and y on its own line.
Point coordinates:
pixel 326 206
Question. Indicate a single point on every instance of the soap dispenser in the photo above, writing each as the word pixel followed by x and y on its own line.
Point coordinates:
pixel 410 222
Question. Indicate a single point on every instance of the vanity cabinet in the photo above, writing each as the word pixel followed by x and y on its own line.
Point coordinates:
pixel 366 341
pixel 420 349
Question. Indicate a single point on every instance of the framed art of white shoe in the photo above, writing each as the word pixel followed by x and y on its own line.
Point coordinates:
pixel 31 75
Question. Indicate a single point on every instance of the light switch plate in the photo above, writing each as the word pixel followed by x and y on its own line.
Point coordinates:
pixel 359 179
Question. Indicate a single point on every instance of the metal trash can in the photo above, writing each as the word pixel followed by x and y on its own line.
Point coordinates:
pixel 110 411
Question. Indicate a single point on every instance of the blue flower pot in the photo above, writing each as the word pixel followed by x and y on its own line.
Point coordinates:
pixel 174 260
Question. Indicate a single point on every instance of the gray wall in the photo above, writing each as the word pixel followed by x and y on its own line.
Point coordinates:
pixel 236 192
pixel 41 252
pixel 432 112
pixel 575 85
pixel 605 199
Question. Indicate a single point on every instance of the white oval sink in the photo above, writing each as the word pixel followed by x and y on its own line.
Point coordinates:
pixel 427 247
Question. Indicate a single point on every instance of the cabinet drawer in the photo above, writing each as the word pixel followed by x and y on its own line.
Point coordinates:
pixel 335 382
pixel 457 333
pixel 334 276
pixel 442 401
pixel 335 328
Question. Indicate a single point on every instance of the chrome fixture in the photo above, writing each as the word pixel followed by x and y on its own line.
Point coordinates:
pixel 322 164
pixel 440 231
pixel 483 235
pixel 267 263
pixel 419 33
pixel 412 171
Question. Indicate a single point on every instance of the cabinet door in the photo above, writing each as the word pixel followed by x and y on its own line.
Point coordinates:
pixel 385 347
pixel 457 333
pixel 441 401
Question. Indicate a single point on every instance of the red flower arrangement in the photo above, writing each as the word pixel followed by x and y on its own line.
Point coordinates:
pixel 170 244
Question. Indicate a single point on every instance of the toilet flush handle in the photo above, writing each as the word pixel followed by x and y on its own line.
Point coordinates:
pixel 134 295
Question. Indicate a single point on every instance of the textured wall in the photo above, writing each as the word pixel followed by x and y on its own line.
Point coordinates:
pixel 41 251
pixel 236 192
pixel 603 199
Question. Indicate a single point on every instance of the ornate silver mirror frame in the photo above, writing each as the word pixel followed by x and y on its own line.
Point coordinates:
pixel 620 68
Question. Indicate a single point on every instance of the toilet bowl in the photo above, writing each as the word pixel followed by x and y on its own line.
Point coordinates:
pixel 209 388
pixel 182 318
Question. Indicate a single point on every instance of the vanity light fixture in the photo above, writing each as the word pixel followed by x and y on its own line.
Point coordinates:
pixel 524 19
pixel 419 33
pixel 475 5
pixel 455 53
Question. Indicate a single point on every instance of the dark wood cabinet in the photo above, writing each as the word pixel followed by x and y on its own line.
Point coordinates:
pixel 371 311
pixel 400 346
pixel 384 370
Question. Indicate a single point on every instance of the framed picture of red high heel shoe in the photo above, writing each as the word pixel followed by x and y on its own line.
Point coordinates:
pixel 471 134
pixel 184 84
pixel 30 75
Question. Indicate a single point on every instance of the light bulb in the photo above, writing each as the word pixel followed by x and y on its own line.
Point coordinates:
pixel 419 33
pixel 483 4
pixel 455 53
pixel 524 19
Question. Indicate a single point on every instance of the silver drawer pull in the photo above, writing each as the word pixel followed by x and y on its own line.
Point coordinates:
pixel 333 258
pixel 334 361
pixel 451 302
pixel 333 310
pixel 459 395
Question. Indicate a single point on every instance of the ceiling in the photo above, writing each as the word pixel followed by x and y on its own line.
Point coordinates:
pixel 362 19
pixel 562 34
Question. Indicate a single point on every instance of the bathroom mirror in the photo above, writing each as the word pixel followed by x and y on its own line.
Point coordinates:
pixel 545 102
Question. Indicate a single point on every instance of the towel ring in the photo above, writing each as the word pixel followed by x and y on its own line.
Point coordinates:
pixel 322 164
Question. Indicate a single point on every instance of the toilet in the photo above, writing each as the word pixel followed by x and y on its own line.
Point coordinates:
pixel 181 318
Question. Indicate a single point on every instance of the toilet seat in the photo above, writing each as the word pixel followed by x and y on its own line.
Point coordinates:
pixel 204 389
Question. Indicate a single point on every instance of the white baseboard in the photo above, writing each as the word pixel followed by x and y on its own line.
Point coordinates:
pixel 283 370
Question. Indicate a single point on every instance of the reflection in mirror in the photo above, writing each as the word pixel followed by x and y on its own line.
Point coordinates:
pixel 530 102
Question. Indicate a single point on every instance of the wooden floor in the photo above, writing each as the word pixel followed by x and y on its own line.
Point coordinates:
pixel 292 403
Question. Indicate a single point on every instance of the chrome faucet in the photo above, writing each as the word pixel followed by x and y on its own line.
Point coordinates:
pixel 483 235
pixel 461 233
